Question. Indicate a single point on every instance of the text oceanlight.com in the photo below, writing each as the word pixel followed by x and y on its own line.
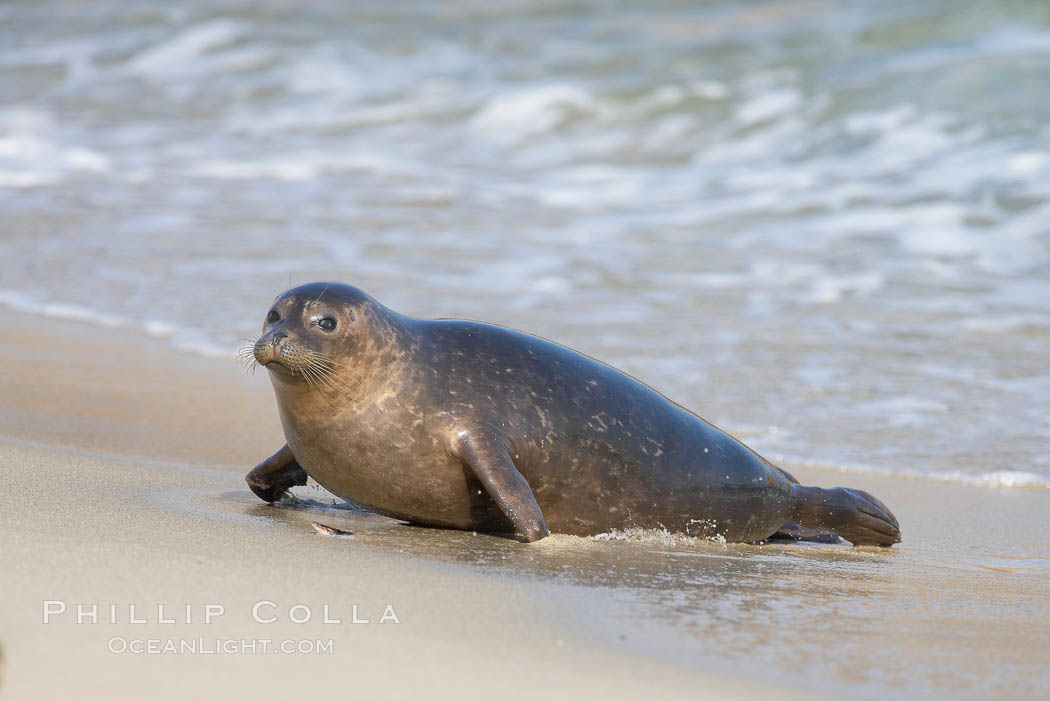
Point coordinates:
pixel 218 646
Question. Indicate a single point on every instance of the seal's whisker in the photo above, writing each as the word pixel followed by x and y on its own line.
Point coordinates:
pixel 305 375
pixel 330 358
pixel 310 378
pixel 316 380
pixel 334 368
pixel 246 353
pixel 322 292
pixel 325 373
pixel 332 375
pixel 329 366
pixel 329 382
pixel 321 361
pixel 317 370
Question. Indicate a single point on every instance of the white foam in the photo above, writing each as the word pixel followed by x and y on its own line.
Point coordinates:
pixel 946 239
pixel 660 536
pixel 1015 41
pixel 664 96
pixel 669 131
pixel 784 272
pixel 316 74
pixel 1006 323
pixel 1028 163
pixel 19 302
pixel 901 148
pixel 879 122
pixel 206 348
pixel 780 178
pixel 709 89
pixel 589 187
pixel 29 150
pixel 720 281
pixel 993 479
pixel 937 230
pixel 768 106
pixel 16 301
pixel 75 312
pixel 551 283
pixel 827 289
pixel 84 159
pixel 252 170
pixel 16 179
pixel 185 340
pixel 515 115
pixel 171 55
pixel 159 329
pixel 910 404
pixel 30 156
pixel 21 119
pixel 719 153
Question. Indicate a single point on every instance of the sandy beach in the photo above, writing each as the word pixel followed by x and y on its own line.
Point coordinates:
pixel 821 226
pixel 124 465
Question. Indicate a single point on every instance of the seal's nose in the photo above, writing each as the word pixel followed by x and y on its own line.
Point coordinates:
pixel 277 338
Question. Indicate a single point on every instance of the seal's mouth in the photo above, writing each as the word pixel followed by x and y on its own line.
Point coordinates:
pixel 269 352
pixel 273 352
pixel 276 366
pixel 292 360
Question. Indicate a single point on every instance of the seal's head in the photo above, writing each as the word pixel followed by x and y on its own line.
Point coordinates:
pixel 311 330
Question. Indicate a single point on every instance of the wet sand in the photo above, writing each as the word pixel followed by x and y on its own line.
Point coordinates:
pixel 124 463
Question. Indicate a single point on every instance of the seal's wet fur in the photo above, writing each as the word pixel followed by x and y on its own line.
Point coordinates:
pixel 475 426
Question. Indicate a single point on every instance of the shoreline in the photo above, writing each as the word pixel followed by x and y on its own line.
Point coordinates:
pixel 125 464
pixel 163 345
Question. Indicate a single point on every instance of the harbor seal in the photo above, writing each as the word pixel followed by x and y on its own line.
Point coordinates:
pixel 474 426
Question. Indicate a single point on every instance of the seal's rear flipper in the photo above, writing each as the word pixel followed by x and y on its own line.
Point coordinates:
pixel 857 516
pixel 796 532
pixel 274 476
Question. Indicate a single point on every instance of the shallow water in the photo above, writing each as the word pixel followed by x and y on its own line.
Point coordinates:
pixel 854 622
pixel 824 226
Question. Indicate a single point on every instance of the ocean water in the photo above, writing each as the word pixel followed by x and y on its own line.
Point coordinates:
pixel 824 226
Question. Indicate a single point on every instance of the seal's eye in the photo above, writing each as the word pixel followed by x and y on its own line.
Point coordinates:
pixel 327 323
pixel 273 317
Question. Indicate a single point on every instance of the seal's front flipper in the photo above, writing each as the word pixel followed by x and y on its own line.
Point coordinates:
pixel 490 461
pixel 857 516
pixel 274 476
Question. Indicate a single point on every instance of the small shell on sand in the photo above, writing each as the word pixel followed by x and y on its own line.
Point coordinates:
pixel 329 531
